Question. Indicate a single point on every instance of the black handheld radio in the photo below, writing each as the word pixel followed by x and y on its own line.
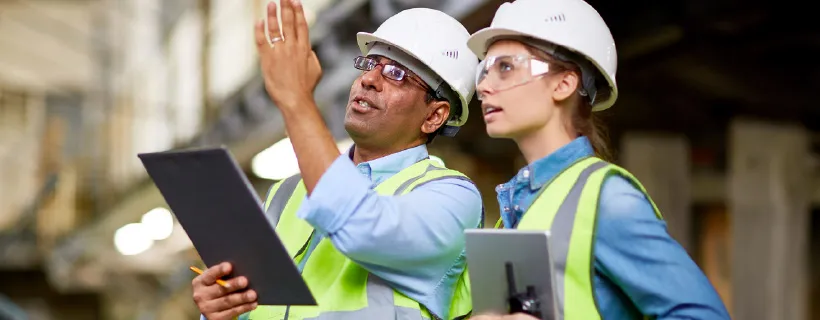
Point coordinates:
pixel 521 302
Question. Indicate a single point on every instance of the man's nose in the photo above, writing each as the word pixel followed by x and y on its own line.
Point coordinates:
pixel 373 79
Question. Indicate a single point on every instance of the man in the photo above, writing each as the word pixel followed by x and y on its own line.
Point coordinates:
pixel 377 233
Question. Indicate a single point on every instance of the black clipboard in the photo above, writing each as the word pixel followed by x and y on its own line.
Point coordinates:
pixel 219 210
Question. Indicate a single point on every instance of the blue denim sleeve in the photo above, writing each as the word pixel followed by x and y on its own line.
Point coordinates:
pixel 410 241
pixel 634 250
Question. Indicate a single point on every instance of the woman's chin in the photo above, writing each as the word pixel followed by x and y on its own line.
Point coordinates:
pixel 498 132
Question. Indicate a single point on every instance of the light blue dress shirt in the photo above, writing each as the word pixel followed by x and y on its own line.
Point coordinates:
pixel 639 269
pixel 415 242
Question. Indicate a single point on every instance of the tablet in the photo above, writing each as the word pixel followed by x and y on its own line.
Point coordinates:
pixel 489 251
pixel 225 220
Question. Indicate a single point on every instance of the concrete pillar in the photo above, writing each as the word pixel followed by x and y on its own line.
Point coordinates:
pixel 662 163
pixel 769 186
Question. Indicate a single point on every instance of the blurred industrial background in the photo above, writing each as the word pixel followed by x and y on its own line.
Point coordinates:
pixel 718 116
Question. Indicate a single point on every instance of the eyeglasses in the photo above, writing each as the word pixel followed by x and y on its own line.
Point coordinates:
pixel 389 71
pixel 509 71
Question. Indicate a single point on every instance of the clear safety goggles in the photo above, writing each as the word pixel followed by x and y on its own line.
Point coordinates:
pixel 499 73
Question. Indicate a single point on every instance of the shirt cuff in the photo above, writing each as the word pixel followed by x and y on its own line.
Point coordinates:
pixel 336 196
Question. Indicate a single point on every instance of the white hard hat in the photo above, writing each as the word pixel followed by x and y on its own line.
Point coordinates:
pixel 571 24
pixel 438 41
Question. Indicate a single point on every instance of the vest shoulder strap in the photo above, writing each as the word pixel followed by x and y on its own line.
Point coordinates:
pixel 415 175
pixel 278 197
pixel 553 194
pixel 612 169
pixel 434 171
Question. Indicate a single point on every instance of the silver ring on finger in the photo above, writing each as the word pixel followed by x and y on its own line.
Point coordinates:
pixel 274 40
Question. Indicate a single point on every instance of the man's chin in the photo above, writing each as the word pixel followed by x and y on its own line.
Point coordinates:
pixel 356 128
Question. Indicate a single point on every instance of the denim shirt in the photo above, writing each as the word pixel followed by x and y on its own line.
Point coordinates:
pixel 639 270
pixel 415 242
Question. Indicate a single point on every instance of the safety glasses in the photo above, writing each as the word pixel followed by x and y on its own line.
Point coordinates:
pixel 505 72
pixel 389 71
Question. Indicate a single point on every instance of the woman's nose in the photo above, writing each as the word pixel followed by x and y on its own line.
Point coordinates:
pixel 483 89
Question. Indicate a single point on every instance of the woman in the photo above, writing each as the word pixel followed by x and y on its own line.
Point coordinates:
pixel 547 66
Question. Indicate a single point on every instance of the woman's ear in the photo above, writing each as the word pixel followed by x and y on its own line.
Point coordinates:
pixel 567 84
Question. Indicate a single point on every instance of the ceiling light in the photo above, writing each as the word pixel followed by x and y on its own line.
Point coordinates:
pixel 132 239
pixel 158 223
pixel 278 161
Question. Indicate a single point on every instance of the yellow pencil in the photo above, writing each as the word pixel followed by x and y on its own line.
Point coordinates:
pixel 218 281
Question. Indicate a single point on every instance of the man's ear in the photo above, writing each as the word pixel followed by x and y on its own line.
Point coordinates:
pixel 436 117
pixel 567 85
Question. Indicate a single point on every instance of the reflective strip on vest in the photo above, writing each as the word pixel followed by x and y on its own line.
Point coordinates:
pixel 278 196
pixel 561 232
pixel 406 186
pixel 567 206
pixel 382 301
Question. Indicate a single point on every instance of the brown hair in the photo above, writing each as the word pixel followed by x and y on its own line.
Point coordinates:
pixel 591 126
pixel 583 120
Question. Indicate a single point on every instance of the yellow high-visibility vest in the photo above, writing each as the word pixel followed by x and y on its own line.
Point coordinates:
pixel 567 206
pixel 343 289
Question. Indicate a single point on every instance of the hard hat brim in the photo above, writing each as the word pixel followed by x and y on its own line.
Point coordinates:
pixel 363 39
pixel 479 42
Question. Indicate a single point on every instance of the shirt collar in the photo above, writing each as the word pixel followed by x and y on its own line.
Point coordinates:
pixel 382 168
pixel 545 169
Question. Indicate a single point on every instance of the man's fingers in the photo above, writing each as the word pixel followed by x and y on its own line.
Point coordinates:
pixel 236 284
pixel 209 277
pixel 315 66
pixel 206 292
pixel 273 22
pixel 216 298
pixel 235 311
pixel 259 34
pixel 288 29
pixel 230 301
pixel 301 25
pixel 203 294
